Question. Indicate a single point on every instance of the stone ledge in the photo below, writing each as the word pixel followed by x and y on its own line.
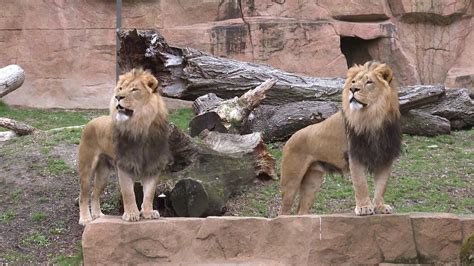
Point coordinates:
pixel 296 240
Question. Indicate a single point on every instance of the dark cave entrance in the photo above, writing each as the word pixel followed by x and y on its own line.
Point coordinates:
pixel 356 50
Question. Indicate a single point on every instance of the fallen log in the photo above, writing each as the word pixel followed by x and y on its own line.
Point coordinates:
pixel 455 105
pixel 415 122
pixel 278 123
pixel 216 114
pixel 19 128
pixel 187 73
pixel 207 170
pixel 411 97
pixel 11 78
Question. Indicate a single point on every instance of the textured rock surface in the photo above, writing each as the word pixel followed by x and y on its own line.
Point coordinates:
pixel 285 240
pixel 67 49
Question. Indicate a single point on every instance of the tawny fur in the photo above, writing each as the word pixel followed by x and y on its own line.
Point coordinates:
pixel 101 149
pixel 347 142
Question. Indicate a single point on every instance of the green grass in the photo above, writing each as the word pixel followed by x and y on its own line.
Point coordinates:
pixel 15 194
pixel 38 217
pixel 181 118
pixel 16 257
pixel 71 260
pixel 6 216
pixel 48 119
pixel 36 239
pixel 58 228
pixel 56 167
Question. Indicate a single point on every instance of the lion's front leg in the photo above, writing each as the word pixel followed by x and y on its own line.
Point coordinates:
pixel 130 209
pixel 381 177
pixel 149 187
pixel 359 182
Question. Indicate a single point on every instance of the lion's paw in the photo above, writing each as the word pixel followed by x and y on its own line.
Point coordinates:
pixel 151 215
pixel 131 216
pixel 364 210
pixel 383 209
pixel 97 215
pixel 84 221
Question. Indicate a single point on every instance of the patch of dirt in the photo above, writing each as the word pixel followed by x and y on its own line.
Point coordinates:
pixel 39 216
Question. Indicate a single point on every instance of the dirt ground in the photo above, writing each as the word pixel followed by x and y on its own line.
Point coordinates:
pixel 44 223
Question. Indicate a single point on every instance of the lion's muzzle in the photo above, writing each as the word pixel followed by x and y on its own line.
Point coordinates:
pixel 354 103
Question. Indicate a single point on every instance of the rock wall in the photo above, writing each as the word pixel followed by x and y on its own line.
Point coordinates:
pixel 67 47
pixel 286 240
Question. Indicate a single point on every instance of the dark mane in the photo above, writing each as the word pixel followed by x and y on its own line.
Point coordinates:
pixel 143 155
pixel 375 149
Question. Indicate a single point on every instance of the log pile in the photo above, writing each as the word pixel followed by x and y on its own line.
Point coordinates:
pixel 293 102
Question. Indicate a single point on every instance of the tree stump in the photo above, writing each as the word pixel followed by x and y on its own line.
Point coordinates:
pixel 207 170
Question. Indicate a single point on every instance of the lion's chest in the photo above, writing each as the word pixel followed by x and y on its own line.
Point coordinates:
pixel 142 156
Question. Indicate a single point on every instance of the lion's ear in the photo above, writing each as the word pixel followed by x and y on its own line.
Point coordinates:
pixel 152 82
pixel 385 72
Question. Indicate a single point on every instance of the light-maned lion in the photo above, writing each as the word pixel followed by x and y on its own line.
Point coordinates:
pixel 133 139
pixel 362 138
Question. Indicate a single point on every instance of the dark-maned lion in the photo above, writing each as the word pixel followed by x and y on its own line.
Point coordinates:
pixel 362 138
pixel 133 139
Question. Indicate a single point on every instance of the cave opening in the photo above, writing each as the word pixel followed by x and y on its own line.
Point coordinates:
pixel 356 50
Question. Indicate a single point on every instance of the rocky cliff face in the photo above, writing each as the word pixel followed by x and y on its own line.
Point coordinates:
pixel 67 47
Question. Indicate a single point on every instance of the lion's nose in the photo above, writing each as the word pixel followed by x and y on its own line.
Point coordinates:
pixel 118 97
pixel 354 89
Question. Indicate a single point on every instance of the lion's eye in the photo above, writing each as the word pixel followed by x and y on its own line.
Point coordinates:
pixel 120 88
pixel 134 89
pixel 353 81
pixel 369 82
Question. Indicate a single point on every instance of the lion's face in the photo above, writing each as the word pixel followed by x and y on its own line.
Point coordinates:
pixel 368 98
pixel 136 102
pixel 134 90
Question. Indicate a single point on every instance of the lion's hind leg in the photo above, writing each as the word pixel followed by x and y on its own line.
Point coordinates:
pixel 87 165
pixel 309 188
pixel 102 173
pixel 293 169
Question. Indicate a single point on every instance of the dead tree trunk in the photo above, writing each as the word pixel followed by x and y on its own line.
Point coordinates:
pixel 415 122
pixel 19 128
pixel 206 172
pixel 278 123
pixel 187 73
pixel 11 78
pixel 216 114
pixel 412 97
pixel 456 106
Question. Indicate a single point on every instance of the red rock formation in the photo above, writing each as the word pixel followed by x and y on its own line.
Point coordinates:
pixel 67 49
